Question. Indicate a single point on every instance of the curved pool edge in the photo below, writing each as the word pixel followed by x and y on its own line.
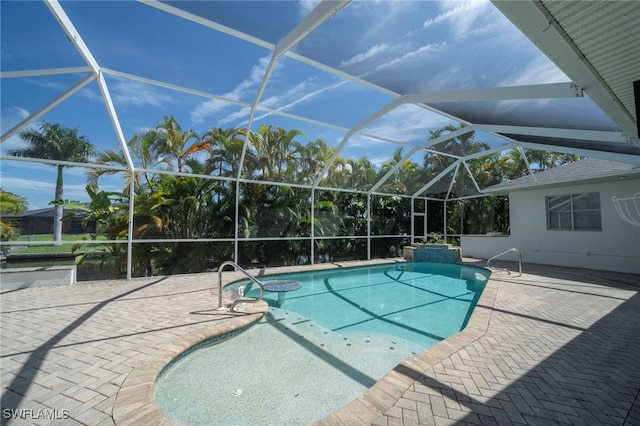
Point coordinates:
pixel 375 402
pixel 134 401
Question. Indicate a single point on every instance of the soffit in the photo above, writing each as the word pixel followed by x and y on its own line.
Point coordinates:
pixel 596 44
pixel 607 33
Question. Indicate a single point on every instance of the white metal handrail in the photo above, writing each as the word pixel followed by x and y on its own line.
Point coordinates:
pixel 239 268
pixel 504 269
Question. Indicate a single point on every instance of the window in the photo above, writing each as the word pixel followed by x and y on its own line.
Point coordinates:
pixel 574 212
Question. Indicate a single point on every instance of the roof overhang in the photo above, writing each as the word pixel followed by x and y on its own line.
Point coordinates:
pixel 563 183
pixel 595 43
pixel 582 172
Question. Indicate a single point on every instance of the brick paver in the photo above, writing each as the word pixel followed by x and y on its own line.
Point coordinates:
pixel 67 350
pixel 557 346
pixel 560 349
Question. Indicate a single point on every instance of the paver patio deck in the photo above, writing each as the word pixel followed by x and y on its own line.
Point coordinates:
pixel 554 346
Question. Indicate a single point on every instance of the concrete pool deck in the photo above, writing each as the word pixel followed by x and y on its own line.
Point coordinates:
pixel 554 346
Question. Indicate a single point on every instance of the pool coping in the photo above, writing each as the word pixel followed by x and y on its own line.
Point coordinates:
pixel 134 401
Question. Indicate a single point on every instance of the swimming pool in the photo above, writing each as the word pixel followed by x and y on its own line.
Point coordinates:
pixel 321 346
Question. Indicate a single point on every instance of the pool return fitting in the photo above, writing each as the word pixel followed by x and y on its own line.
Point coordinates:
pixel 240 298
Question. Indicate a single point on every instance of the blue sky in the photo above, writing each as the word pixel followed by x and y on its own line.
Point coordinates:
pixel 403 46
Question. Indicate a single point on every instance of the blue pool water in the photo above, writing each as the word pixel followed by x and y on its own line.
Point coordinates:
pixel 321 346
pixel 419 302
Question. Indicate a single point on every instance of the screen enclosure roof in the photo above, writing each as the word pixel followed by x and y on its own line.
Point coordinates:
pixel 368 78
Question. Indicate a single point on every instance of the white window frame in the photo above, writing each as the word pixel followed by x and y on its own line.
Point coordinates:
pixel 573 212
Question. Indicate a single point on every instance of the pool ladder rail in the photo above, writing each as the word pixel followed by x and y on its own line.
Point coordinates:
pixel 504 269
pixel 239 299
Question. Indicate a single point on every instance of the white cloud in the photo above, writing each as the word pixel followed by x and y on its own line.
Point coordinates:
pixel 36 182
pixel 208 109
pixel 129 92
pixel 295 92
pixel 256 75
pixel 372 52
pixel 539 71
pixel 406 124
pixel 32 185
pixel 454 76
pixel 355 151
pixel 10 117
pixel 461 17
pixel 362 141
pixel 379 161
pixel 295 95
pixel 40 192
pixel 241 114
pixel 20 112
pixel 13 115
pixel 297 100
pixel 299 93
pixel 306 6
pixel 90 94
pixel 382 17
pixel 413 55
pixel 421 51
pixel 49 84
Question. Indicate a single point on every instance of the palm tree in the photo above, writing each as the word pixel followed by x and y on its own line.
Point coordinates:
pixel 512 164
pixel 543 160
pixel 58 143
pixel 363 173
pixel 226 150
pixel 175 143
pixel 14 204
pixel 460 146
pixel 313 158
pixel 276 151
pixel 141 147
pixel 546 160
pixel 406 180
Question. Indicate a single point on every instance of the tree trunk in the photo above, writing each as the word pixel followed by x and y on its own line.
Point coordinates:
pixel 58 210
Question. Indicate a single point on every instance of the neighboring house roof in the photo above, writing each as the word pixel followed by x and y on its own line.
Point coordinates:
pixel 587 170
pixel 47 212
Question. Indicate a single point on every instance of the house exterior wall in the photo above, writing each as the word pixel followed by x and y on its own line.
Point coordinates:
pixel 34 225
pixel 615 248
pixel 37 225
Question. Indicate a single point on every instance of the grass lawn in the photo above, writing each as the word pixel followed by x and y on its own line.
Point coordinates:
pixel 66 247
pixel 89 269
